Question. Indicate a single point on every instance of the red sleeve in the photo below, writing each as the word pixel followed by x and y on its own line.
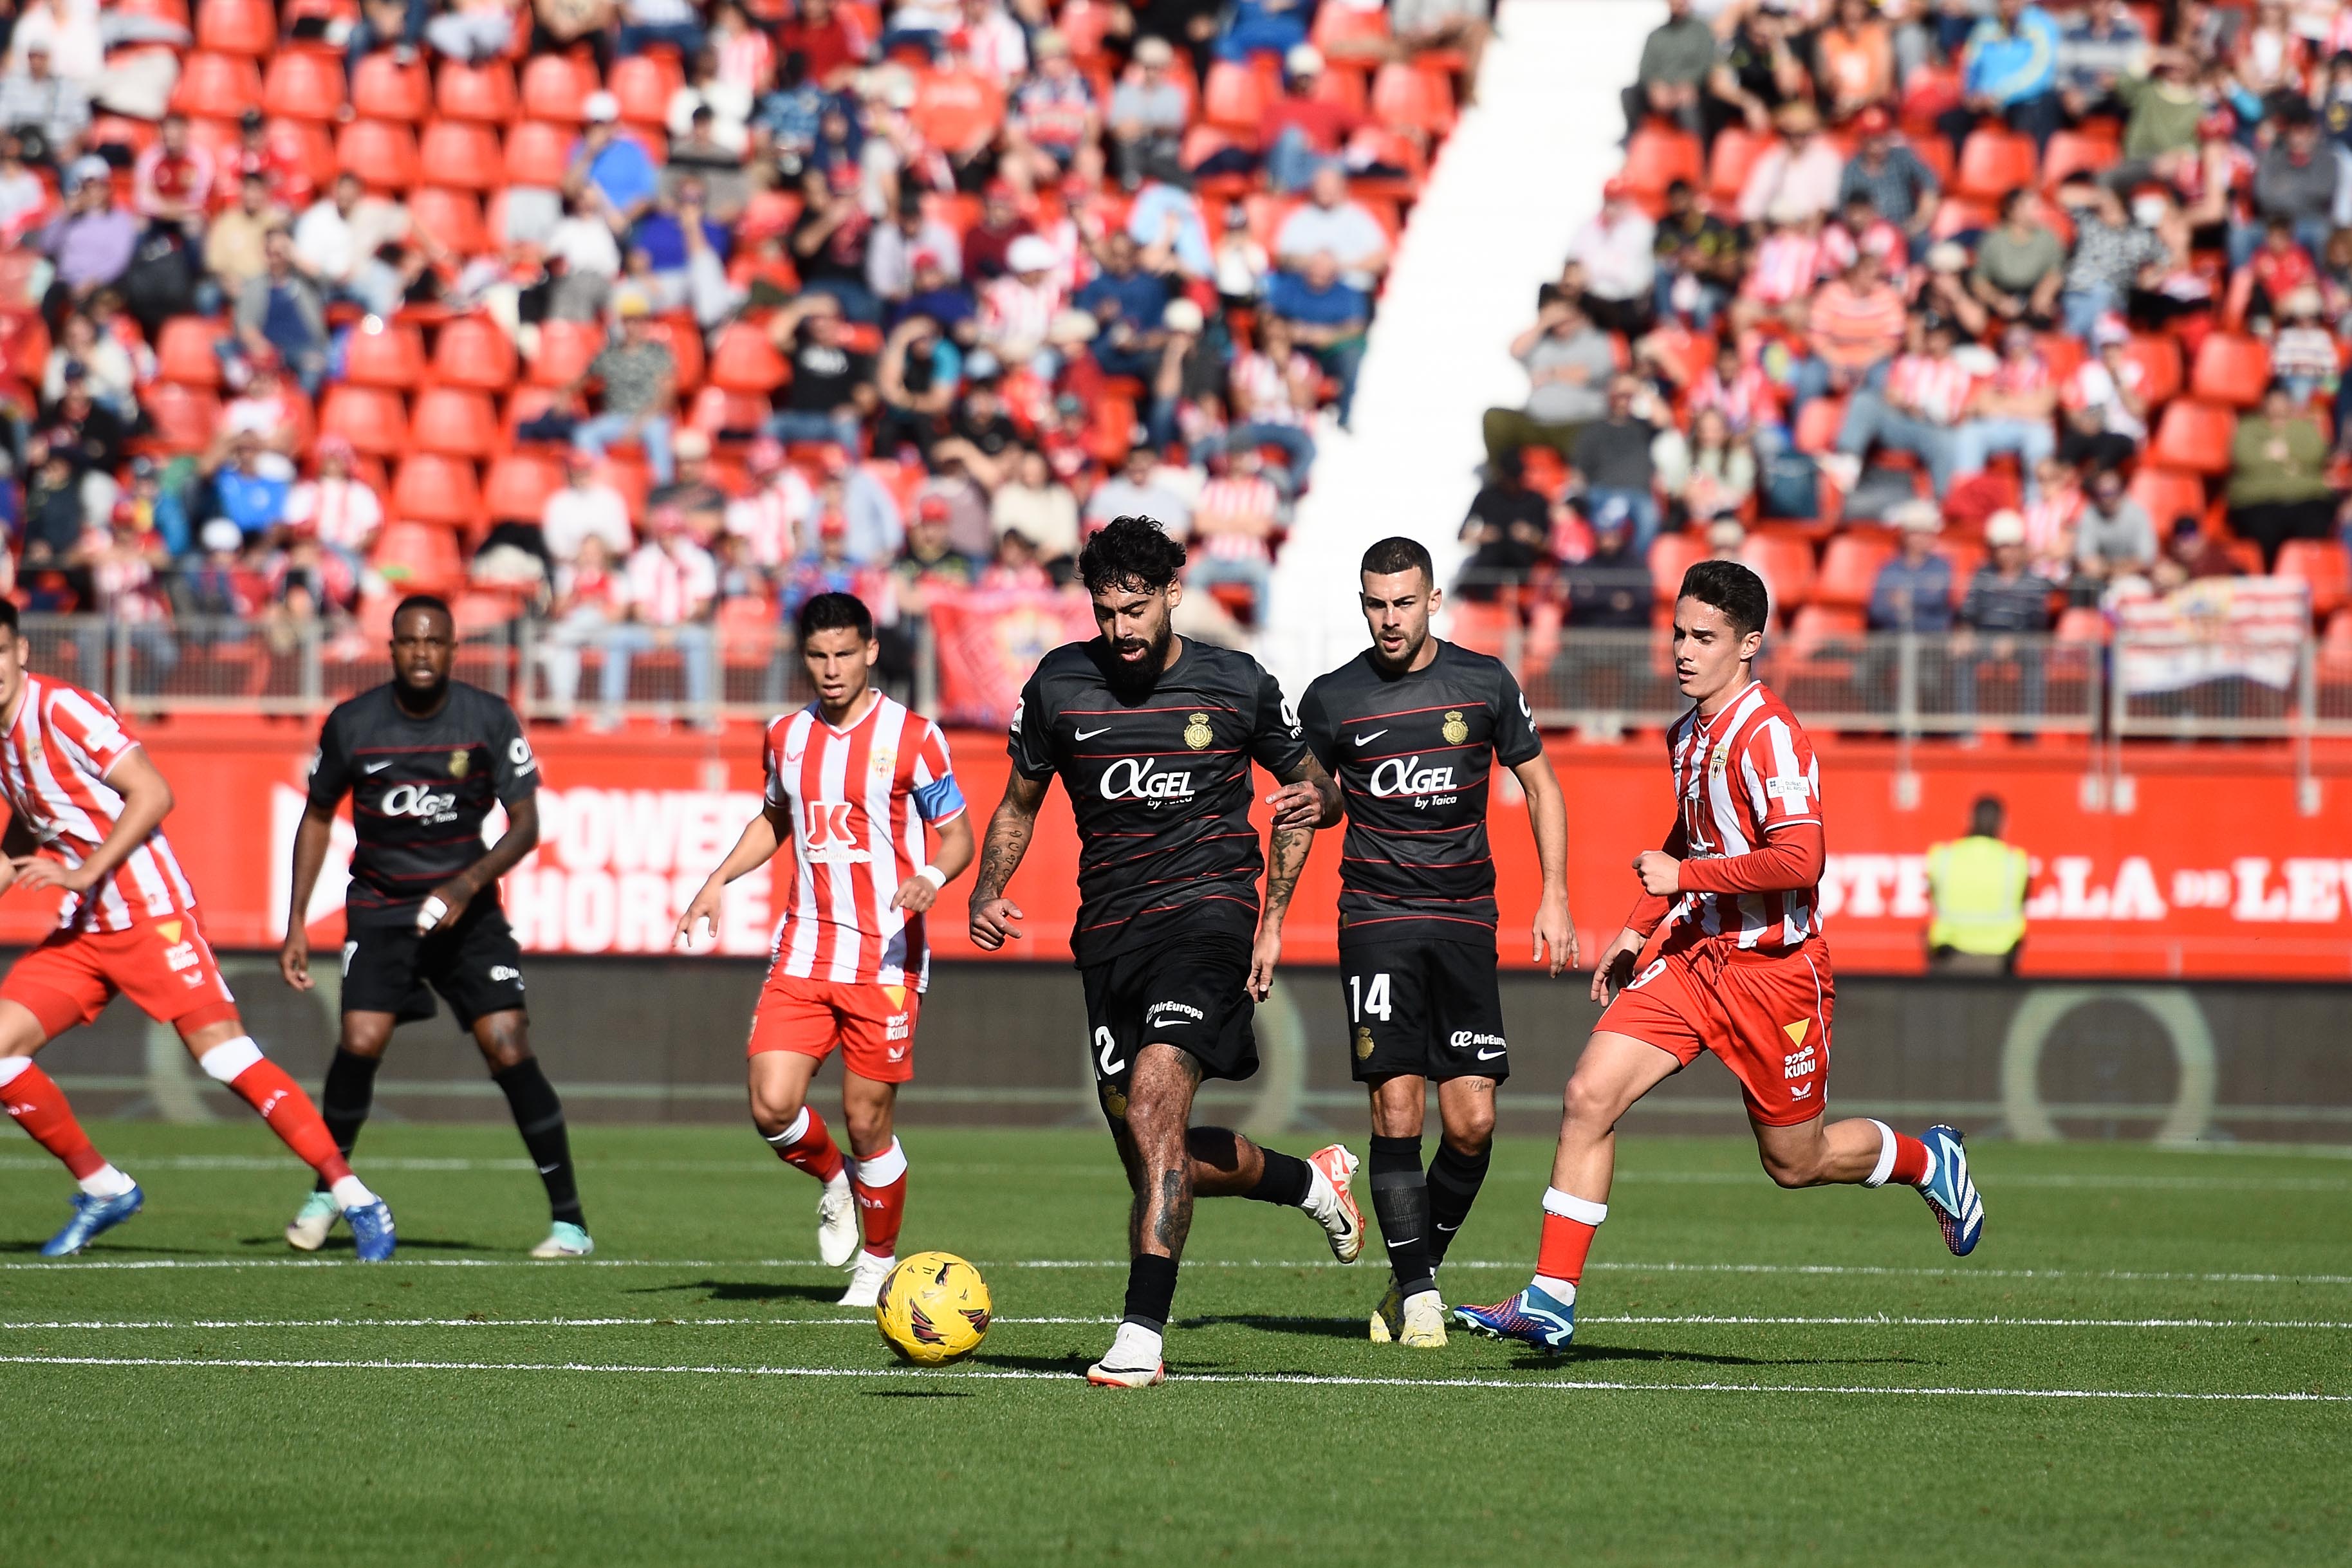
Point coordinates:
pixel 1791 858
pixel 1652 908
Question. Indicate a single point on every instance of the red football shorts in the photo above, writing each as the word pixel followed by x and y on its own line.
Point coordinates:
pixel 1767 1017
pixel 872 1025
pixel 165 966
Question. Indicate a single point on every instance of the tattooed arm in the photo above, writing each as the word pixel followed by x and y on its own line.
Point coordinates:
pixel 995 916
pixel 1308 798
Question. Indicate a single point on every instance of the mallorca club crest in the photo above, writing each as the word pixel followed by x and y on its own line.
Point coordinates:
pixel 1364 1044
pixel 461 762
pixel 1197 732
pixel 1455 731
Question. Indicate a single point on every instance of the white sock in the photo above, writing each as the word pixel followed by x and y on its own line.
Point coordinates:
pixel 107 1182
pixel 1135 1345
pixel 351 1192
pixel 226 1061
pixel 1560 1290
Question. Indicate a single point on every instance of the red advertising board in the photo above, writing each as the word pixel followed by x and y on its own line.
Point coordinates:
pixel 2211 872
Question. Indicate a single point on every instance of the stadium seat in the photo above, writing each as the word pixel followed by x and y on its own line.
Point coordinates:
pixel 1481 627
pixel 185 350
pixel 1344 88
pixel 452 219
pixel 684 340
pixel 1656 158
pixel 564 350
pixel 2231 369
pixel 1344 30
pixel 1965 555
pixel 485 92
pixel 303 84
pixel 306 145
pixel 643 84
pixel 1993 163
pixel 418 558
pixel 716 413
pixel 519 486
pixel 237 28
pixel 2158 357
pixel 431 488
pixel 383 89
pixel 1818 424
pixel 1785 564
pixel 183 418
pixel 2194 436
pixel 454 421
pixel 374 420
pixel 539 152
pixel 1671 555
pixel 384 354
pixel 461 153
pixel 1409 95
pixel 2321 565
pixel 1736 152
pixel 471 352
pixel 1814 624
pixel 1233 99
pixel 2070 153
pixel 1850 568
pixel 745 360
pixel 2083 624
pixel 2165 495
pixel 382 152
pixel 217 87
pixel 556 88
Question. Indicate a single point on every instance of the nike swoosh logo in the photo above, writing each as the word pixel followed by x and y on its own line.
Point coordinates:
pixel 1405 1242
pixel 1448 1229
pixel 1488 1055
pixel 374 767
pixel 1090 733
pixel 1368 739
pixel 548 1170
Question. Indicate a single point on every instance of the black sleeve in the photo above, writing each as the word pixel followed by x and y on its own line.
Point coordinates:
pixel 1517 739
pixel 516 768
pixel 1277 742
pixel 1030 743
pixel 330 765
pixel 1314 719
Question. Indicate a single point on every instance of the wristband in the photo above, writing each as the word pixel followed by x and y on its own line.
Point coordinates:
pixel 431 912
pixel 934 875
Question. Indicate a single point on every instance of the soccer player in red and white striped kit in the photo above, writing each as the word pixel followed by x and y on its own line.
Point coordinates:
pixel 853 779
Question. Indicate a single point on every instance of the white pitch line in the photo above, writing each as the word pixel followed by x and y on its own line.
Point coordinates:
pixel 1070 1379
pixel 864 1320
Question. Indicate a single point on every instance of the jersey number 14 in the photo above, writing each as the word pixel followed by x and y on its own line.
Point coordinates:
pixel 1371 998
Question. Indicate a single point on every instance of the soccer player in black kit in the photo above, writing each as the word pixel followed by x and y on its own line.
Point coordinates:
pixel 1153 736
pixel 1411 728
pixel 423 757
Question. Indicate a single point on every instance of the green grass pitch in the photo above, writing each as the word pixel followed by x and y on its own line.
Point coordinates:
pixel 2148 1360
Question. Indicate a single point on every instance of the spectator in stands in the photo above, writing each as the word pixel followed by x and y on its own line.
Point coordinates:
pixel 1676 59
pixel 611 176
pixel 673 22
pixel 2020 263
pixel 1946 292
pixel 988 241
pixel 591 599
pixel 471 31
pixel 1695 256
pixel 248 488
pixel 2278 476
pixel 1612 457
pixel 1234 522
pixel 640 380
pixel 2049 519
pixel 1568 363
pixel 672 591
pixel 831 389
pixel 1857 324
pixel 2096 51
pixel 2192 555
pixel 222 585
pixel 1140 491
pixel 1302 130
pixel 107 371
pixel 2106 410
pixel 1166 223
pixel 1147 115
pixel 1507 529
pixel 1799 177
pixel 2111 255
pixel 583 509
pixel 281 315
pixel 237 243
pixel 690 494
pixel 23 198
pixel 1914 411
pixel 928 561
pixel 2113 536
pixel 172 182
pixel 686 250
pixel 891 251
pixel 341 230
pixel 1039 508
pixel 1853 59
pixel 1273 391
pixel 2165 105
pixel 342 512
pixel 1327 319
pixel 2009 68
pixel 1054 117
pixel 90 243
pixel 1707 475
pixel 915 385
pixel 2011 410
pixel 1343 231
pixel 1017 309
pixel 2002 620
pixel 2295 180
pixel 54 107
pixel 1127 304
pixel 396 25
pixel 827 566
pixel 1610 589
pixel 1913 590
pixel 589 254
pixel 2303 353
pixel 1616 247
pixel 1756 75
pixel 1899 187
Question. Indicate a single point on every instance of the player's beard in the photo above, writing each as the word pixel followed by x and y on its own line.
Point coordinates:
pixel 1137 679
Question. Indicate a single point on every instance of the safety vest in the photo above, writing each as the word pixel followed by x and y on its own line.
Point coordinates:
pixel 1979 887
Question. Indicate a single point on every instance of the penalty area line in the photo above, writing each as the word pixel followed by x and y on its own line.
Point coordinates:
pixel 1297 1379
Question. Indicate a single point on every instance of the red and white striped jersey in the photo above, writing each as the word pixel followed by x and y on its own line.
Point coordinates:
pixel 53 761
pixel 671 586
pixel 768 519
pixel 1787 265
pixel 1937 388
pixel 858 800
pixel 1736 777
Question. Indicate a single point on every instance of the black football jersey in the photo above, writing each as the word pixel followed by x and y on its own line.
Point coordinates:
pixel 1159 784
pixel 1412 754
pixel 420 789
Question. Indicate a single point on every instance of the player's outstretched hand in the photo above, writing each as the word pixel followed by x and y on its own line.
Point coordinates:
pixel 993 921
pixel 1661 874
pixel 1615 969
pixel 704 911
pixel 294 959
pixel 1299 805
pixel 1556 930
pixel 1264 953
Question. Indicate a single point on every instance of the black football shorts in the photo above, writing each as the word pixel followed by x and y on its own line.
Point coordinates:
pixel 1431 1009
pixel 1188 992
pixel 473 962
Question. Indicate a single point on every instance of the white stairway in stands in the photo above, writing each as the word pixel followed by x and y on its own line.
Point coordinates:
pixel 1521 171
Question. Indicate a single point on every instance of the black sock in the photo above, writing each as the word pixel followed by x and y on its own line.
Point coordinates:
pixel 539 1116
pixel 343 1103
pixel 1401 1200
pixel 1151 1292
pixel 1454 1181
pixel 1287 1180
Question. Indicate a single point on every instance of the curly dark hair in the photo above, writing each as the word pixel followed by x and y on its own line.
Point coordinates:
pixel 1134 552
pixel 1731 587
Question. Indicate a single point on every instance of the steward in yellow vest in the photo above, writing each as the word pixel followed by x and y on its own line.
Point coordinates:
pixel 1977 886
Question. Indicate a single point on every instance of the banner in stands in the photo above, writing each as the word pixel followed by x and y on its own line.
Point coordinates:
pixel 2212 871
pixel 987 643
pixel 2249 627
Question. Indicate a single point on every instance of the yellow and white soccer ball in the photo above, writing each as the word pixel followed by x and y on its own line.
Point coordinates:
pixel 933 1308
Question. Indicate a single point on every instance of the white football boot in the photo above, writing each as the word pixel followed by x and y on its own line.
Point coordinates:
pixel 866 1281
pixel 836 1223
pixel 1133 1361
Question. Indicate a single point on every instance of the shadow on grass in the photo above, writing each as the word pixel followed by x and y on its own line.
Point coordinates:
pixel 1073 1363
pixel 746 1290
pixel 1598 1352
pixel 343 1244
pixel 918 1393
pixel 112 1251
pixel 1267 1322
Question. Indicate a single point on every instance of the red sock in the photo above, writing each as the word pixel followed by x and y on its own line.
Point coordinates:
pixel 880 1184
pixel 805 1146
pixel 1911 1160
pixel 40 1106
pixel 1569 1225
pixel 290 1116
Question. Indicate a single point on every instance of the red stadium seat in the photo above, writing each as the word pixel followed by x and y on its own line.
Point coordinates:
pixel 1233 99
pixel 1818 424
pixel 305 144
pixel 2194 436
pixel 451 219
pixel 539 152
pixel 1344 30
pixel 2158 357
pixel 1671 555
pixel 684 340
pixel 1785 564
pixel 2165 495
pixel 1993 163
pixel 2321 565
pixel 2071 154
pixel 433 488
pixel 1656 158
pixel 1410 96
pixel 485 92
pixel 463 154
pixel 183 418
pixel 2083 624
pixel 1814 624
pixel 564 350
pixel 184 350
pixel 303 84
pixel 217 87
pixel 746 361
pixel 455 422
pixel 1966 556
pixel 519 486
pixel 383 89
pixel 1850 569
pixel 418 558
pixel 716 412
pixel 238 26
pixel 382 152
pixel 384 354
pixel 643 84
pixel 1736 152
pixel 556 88
pixel 472 353
pixel 374 420
pixel 2231 369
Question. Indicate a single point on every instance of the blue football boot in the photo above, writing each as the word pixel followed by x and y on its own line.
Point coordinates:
pixel 92 1215
pixel 1532 1317
pixel 372 1230
pixel 1951 1196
